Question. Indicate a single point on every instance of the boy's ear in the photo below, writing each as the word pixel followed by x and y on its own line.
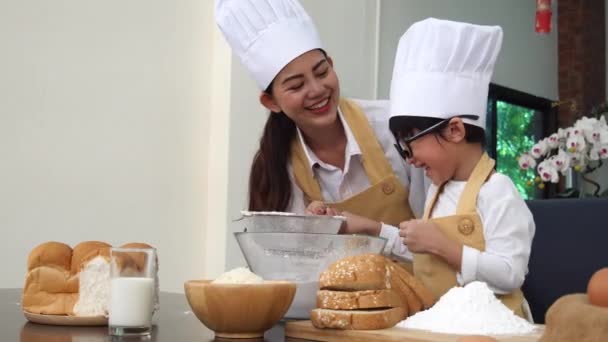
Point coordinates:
pixel 268 101
pixel 456 130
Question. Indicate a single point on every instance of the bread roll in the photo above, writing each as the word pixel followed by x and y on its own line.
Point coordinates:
pixel 50 254
pixel 62 281
pixel 49 290
pixel 103 252
pixel 138 258
pixel 83 249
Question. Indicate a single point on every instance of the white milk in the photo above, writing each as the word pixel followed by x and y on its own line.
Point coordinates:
pixel 131 302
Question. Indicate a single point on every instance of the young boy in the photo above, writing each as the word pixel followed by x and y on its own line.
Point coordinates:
pixel 475 226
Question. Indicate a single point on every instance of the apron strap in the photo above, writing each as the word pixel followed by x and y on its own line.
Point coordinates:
pixel 468 199
pixel 374 162
pixel 303 174
pixel 428 209
pixel 373 157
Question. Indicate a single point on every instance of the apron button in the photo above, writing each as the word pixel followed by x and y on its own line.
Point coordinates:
pixel 466 226
pixel 388 188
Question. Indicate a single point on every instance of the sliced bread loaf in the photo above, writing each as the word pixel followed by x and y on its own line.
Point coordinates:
pixel 353 300
pixel 424 295
pixel 361 272
pixel 357 319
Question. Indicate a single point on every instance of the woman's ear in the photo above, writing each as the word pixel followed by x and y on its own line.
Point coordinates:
pixel 268 101
pixel 456 130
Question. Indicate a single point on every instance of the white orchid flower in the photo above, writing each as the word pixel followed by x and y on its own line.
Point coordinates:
pixel 526 161
pixel 585 123
pixel 547 171
pixel 577 160
pixel 598 152
pixel 576 140
pixel 561 162
pixel 553 141
pixel 602 122
pixel 539 149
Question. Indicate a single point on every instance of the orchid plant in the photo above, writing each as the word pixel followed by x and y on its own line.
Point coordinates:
pixel 581 147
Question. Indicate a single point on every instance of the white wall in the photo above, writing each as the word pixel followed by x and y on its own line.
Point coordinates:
pixel 103 132
pixel 528 61
pixel 348 31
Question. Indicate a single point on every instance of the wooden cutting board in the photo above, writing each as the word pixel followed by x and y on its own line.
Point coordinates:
pixel 305 330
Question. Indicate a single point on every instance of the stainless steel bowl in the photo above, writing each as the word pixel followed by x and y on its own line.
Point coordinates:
pixel 264 221
pixel 301 257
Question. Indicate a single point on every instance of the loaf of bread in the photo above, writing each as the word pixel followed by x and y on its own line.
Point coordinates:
pixel 352 300
pixel 356 319
pixel 71 281
pixel 422 294
pixel 368 291
pixel 360 272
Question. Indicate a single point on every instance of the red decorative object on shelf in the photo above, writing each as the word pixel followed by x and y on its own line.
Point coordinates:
pixel 543 16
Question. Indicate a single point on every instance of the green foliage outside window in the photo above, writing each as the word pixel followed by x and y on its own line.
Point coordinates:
pixel 515 133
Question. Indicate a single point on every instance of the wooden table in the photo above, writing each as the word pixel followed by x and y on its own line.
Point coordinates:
pixel 305 330
pixel 174 323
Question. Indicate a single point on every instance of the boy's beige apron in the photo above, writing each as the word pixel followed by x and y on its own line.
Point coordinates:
pixel 466 228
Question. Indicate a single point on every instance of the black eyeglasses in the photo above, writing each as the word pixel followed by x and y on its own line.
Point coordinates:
pixel 403 143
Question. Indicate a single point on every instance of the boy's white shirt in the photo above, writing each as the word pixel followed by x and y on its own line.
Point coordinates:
pixel 338 185
pixel 508 228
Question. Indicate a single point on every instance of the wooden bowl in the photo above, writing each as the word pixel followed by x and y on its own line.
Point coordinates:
pixel 239 310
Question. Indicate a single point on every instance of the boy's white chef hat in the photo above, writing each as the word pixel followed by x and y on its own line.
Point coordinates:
pixel 443 68
pixel 266 34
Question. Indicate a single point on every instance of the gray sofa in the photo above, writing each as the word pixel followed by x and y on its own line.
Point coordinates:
pixel 570 244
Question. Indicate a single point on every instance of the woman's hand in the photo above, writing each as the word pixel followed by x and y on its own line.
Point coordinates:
pixel 354 224
pixel 320 208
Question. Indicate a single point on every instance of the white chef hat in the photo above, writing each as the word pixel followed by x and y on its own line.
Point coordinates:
pixel 443 68
pixel 266 34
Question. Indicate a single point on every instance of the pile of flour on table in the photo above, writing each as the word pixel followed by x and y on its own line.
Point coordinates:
pixel 472 309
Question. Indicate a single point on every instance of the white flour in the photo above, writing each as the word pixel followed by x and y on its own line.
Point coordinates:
pixel 472 309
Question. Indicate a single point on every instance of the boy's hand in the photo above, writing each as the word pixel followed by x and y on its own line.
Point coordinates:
pixel 356 224
pixel 421 236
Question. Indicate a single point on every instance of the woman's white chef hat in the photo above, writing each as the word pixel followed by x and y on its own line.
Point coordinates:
pixel 266 34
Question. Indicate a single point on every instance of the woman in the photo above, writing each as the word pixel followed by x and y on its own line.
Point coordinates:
pixel 317 150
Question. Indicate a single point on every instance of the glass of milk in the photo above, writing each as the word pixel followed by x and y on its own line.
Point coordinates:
pixel 132 291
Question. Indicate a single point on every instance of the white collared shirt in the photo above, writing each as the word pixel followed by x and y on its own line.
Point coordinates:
pixel 508 228
pixel 338 185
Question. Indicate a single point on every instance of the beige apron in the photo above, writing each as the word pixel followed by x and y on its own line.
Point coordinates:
pixel 386 200
pixel 466 228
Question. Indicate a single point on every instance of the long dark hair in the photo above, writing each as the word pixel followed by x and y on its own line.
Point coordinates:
pixel 269 183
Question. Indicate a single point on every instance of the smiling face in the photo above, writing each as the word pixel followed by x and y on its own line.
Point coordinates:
pixel 440 154
pixel 306 90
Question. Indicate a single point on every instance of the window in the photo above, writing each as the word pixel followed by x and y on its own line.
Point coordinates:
pixel 515 121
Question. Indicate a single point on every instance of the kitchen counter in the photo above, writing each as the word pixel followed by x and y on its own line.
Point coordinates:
pixel 173 323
